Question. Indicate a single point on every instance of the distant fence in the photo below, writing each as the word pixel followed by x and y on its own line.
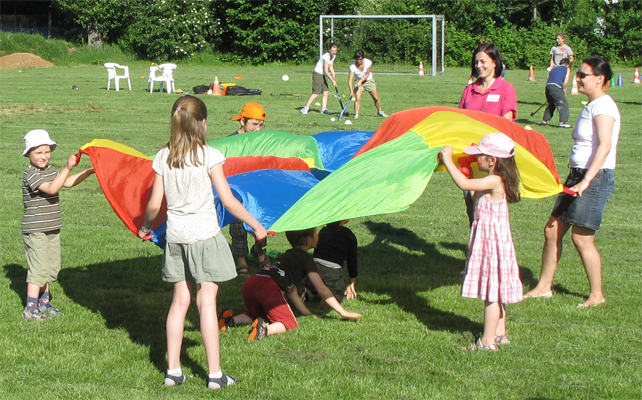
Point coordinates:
pixel 39 25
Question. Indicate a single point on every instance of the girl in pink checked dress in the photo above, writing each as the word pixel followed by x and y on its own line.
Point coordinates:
pixel 492 273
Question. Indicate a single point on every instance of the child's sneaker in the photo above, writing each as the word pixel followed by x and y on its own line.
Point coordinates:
pixel 356 116
pixel 48 309
pixel 171 380
pixel 305 110
pixel 33 315
pixel 382 114
pixel 564 125
pixel 325 111
pixel 222 382
pixel 258 331
pixel 225 320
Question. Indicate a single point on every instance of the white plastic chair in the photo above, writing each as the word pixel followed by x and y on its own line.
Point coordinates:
pixel 113 74
pixel 166 77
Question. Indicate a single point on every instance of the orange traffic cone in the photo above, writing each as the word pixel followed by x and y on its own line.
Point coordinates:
pixel 636 76
pixel 216 87
pixel 421 69
pixel 574 90
pixel 531 74
pixel 470 79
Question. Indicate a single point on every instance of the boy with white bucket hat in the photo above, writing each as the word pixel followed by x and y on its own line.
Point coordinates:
pixel 42 220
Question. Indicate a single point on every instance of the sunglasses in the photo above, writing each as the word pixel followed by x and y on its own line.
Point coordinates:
pixel 582 75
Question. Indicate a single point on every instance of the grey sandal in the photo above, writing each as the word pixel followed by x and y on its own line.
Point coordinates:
pixel 222 382
pixel 480 346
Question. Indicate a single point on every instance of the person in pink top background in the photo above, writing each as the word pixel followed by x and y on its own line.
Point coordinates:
pixel 490 93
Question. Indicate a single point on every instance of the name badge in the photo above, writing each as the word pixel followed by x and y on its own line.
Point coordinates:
pixel 492 98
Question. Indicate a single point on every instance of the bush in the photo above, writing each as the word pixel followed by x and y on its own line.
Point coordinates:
pixel 54 50
pixel 59 52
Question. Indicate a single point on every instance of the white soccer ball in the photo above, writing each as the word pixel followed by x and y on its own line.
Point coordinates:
pixel 285 78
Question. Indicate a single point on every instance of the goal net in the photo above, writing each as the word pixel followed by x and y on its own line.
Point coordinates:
pixel 395 43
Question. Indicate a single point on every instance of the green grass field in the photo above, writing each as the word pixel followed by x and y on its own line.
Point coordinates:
pixel 110 344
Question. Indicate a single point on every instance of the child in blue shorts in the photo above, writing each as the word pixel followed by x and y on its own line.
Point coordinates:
pixel 42 220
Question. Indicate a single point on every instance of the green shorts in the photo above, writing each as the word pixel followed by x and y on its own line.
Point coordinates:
pixel 43 256
pixel 367 86
pixel 207 260
pixel 319 83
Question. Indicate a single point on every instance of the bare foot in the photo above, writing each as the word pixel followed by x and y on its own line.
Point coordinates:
pixel 539 293
pixel 592 301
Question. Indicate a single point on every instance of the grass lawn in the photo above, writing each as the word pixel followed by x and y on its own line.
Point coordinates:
pixel 110 344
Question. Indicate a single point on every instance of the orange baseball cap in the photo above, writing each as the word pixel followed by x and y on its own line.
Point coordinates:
pixel 251 111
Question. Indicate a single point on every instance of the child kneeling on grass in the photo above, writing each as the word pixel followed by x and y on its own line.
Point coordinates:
pixel 264 292
pixel 42 220
pixel 337 245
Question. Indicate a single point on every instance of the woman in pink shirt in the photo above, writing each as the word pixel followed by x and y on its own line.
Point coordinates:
pixel 490 93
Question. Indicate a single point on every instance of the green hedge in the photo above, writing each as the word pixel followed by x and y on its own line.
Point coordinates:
pixel 264 31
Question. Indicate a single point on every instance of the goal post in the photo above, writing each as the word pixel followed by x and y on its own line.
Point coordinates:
pixel 396 43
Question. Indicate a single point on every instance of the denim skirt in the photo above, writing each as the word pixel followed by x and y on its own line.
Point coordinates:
pixel 585 211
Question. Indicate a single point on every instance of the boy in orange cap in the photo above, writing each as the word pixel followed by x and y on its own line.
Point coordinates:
pixel 252 119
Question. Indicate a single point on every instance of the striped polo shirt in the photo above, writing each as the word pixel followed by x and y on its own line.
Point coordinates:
pixel 42 212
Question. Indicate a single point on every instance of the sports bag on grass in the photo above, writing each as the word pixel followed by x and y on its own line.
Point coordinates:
pixel 241 91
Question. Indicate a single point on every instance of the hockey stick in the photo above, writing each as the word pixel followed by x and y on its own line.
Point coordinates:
pixel 540 107
pixel 344 109
pixel 338 96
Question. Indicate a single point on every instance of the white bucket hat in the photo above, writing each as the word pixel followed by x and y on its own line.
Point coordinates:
pixel 38 137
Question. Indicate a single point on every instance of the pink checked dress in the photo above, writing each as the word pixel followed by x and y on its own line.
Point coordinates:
pixel 492 273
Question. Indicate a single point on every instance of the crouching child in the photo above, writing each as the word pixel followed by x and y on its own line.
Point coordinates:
pixel 265 292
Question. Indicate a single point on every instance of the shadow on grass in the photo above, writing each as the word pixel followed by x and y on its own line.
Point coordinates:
pixel 401 265
pixel 128 294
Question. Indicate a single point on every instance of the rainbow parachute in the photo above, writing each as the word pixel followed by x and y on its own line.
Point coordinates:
pixel 291 182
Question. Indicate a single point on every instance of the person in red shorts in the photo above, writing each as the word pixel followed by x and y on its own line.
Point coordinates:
pixel 265 292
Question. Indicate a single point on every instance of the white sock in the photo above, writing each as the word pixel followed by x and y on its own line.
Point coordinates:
pixel 217 374
pixel 175 372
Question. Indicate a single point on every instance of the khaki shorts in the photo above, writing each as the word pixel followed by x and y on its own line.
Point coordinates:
pixel 207 260
pixel 43 256
pixel 319 83
pixel 367 86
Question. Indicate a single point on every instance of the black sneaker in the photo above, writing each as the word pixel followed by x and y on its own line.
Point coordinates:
pixel 171 380
pixel 543 123
pixel 258 331
pixel 222 382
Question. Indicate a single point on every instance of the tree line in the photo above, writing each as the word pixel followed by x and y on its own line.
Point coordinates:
pixel 264 31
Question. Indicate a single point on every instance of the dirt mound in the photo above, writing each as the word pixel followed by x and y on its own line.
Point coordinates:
pixel 23 60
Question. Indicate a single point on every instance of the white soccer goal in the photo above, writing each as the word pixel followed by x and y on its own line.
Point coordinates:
pixel 396 43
